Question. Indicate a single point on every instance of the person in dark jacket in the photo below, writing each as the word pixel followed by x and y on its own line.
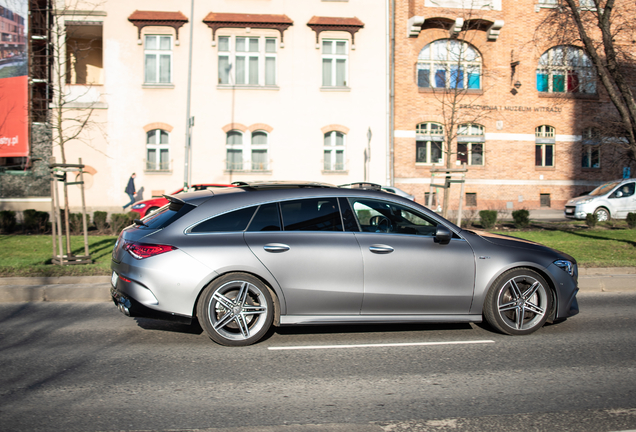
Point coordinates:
pixel 130 190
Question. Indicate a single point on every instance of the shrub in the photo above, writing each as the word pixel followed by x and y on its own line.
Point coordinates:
pixel 488 218
pixel 7 221
pixel 99 219
pixel 631 220
pixel 591 220
pixel 521 218
pixel 119 221
pixel 75 223
pixel 35 221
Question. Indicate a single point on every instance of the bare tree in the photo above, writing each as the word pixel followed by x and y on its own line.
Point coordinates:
pixel 606 29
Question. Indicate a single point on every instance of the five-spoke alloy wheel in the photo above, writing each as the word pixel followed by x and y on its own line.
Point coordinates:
pixel 236 309
pixel 519 302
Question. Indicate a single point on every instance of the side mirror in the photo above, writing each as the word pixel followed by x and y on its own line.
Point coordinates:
pixel 619 194
pixel 443 235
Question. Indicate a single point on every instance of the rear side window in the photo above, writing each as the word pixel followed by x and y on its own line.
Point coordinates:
pixel 234 221
pixel 315 214
pixel 266 219
pixel 166 215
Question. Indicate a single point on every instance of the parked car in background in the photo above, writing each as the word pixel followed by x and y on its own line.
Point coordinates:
pixel 240 260
pixel 613 199
pixel 146 206
pixel 399 192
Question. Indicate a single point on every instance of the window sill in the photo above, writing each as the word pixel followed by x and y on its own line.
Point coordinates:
pixel 591 169
pixel 157 86
pixel 86 105
pixel 475 167
pixel 157 172
pixel 548 168
pixel 429 165
pixel 439 90
pixel 267 172
pixel 335 89
pixel 335 172
pixel 247 87
pixel 591 96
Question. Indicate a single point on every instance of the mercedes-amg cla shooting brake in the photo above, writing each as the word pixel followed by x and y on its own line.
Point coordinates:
pixel 243 259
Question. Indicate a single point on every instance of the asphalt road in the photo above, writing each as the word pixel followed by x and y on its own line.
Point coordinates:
pixel 86 367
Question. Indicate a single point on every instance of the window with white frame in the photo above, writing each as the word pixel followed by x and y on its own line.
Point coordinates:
pixel 247 60
pixel 334 151
pixel 587 4
pixel 429 143
pixel 450 64
pixel 591 149
pixel 565 69
pixel 234 149
pixel 246 153
pixel 157 150
pixel 158 59
pixel 470 144
pixel 259 159
pixel 334 63
pixel 544 146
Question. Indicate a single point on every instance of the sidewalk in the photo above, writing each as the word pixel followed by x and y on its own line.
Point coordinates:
pixel 97 288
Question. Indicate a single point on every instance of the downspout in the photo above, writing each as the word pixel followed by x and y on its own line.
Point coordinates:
pixel 390 16
pixel 189 123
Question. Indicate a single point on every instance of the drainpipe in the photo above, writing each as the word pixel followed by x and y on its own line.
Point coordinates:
pixel 187 156
pixel 390 40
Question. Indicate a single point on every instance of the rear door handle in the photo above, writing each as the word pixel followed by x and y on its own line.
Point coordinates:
pixel 381 249
pixel 276 247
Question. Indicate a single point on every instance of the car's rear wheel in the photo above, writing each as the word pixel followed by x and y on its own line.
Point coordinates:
pixel 518 303
pixel 236 310
pixel 602 214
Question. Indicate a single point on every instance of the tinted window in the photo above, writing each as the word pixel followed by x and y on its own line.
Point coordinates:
pixel 625 190
pixel 228 222
pixel 387 217
pixel 348 217
pixel 316 214
pixel 266 219
pixel 166 215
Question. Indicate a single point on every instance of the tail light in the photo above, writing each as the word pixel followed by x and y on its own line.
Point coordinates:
pixel 143 250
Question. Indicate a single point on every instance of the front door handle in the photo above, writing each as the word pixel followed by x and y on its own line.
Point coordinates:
pixel 276 247
pixel 381 249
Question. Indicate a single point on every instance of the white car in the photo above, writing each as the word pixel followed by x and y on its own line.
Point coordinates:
pixel 613 199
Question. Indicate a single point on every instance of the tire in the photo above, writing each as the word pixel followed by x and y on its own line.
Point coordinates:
pixel 602 214
pixel 518 302
pixel 236 310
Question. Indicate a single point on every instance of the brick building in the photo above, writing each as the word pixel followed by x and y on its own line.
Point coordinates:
pixel 522 113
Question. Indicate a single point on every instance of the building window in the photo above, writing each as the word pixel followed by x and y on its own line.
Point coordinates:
pixel 334 63
pixel 566 69
pixel 158 59
pixel 471 199
pixel 84 53
pixel 259 159
pixel 591 149
pixel 157 150
pixel 450 64
pixel 247 60
pixel 429 143
pixel 544 200
pixel 334 151
pixel 544 146
pixel 470 144
pixel 234 148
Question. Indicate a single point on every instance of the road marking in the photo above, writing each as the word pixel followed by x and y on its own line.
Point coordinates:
pixel 308 347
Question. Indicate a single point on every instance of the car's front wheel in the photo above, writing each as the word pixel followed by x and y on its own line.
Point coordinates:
pixel 602 214
pixel 518 303
pixel 236 309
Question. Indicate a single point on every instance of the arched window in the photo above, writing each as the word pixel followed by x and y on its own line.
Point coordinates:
pixel 470 144
pixel 234 148
pixel 334 151
pixel 544 146
pixel 259 151
pixel 429 143
pixel 449 63
pixel 566 69
pixel 591 148
pixel 157 150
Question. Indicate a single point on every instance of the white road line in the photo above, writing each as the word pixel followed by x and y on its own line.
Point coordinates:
pixel 308 347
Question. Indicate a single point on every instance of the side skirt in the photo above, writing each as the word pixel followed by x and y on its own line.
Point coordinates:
pixel 375 319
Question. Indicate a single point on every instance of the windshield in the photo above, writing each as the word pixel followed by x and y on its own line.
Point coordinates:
pixel 604 189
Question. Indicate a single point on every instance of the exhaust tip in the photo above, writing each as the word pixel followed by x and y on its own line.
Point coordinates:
pixel 124 306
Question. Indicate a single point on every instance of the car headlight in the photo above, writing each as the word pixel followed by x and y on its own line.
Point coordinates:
pixel 139 206
pixel 587 201
pixel 566 266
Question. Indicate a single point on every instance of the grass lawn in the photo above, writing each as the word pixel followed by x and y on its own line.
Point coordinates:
pixel 606 246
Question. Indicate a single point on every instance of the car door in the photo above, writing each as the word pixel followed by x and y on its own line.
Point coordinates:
pixel 405 270
pixel 623 200
pixel 317 264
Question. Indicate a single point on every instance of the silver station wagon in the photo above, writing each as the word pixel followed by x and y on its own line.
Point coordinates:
pixel 241 260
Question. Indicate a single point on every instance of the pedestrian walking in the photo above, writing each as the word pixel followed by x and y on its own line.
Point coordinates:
pixel 130 190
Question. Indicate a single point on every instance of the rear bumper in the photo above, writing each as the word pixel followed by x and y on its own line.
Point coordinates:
pixel 132 308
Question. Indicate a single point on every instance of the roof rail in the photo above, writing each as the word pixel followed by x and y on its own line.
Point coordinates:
pixel 362 185
pixel 281 184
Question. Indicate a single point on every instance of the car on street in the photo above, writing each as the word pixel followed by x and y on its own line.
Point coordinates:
pixel 613 199
pixel 146 206
pixel 241 260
